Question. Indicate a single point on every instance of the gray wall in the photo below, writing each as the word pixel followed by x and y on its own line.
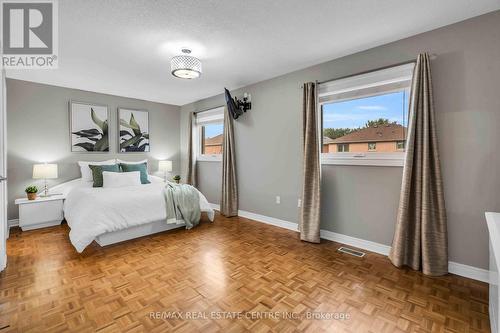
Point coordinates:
pixel 38 131
pixel 362 201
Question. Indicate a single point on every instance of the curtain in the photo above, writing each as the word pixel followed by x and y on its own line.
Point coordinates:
pixel 309 224
pixel 191 165
pixel 420 240
pixel 229 200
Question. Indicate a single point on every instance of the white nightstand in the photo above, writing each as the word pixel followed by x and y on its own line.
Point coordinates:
pixel 40 213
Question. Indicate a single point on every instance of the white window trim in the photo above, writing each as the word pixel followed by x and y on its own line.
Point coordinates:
pixel 369 159
pixel 209 158
pixel 395 74
pixel 212 116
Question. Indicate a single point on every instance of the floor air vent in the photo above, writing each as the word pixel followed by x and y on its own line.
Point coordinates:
pixel 351 252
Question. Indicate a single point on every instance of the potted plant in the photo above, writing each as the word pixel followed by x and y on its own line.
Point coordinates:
pixel 177 179
pixel 31 191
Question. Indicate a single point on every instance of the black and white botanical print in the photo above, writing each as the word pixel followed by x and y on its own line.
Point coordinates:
pixel 89 127
pixel 134 130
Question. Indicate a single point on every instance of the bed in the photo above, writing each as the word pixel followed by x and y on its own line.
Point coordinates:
pixel 111 215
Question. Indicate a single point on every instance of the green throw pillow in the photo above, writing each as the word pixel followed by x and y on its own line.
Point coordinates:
pixel 143 168
pixel 97 172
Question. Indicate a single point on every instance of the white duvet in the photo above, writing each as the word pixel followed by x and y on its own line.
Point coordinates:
pixel 91 212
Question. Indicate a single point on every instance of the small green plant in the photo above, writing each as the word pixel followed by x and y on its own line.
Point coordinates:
pixel 31 189
pixel 177 178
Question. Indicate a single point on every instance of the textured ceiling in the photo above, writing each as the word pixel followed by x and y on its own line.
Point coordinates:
pixel 124 47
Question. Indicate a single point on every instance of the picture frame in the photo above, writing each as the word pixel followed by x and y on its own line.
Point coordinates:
pixel 133 130
pixel 89 127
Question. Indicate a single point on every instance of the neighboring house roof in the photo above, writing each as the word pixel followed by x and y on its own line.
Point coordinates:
pixel 327 140
pixel 391 132
pixel 214 141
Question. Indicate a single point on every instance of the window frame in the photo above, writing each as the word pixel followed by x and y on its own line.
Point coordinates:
pixel 212 116
pixel 359 82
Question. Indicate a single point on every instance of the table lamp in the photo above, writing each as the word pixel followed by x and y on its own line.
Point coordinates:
pixel 45 171
pixel 165 167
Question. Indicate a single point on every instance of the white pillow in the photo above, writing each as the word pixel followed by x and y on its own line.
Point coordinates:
pixel 120 179
pixel 87 173
pixel 132 162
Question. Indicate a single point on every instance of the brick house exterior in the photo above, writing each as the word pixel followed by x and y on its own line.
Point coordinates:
pixel 212 145
pixel 383 139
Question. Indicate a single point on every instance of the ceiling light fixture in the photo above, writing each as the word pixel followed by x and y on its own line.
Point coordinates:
pixel 185 66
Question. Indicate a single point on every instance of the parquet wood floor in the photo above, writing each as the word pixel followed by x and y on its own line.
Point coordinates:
pixel 265 275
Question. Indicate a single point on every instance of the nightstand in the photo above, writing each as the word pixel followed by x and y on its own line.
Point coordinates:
pixel 40 213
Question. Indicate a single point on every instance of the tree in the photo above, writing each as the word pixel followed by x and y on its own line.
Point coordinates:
pixel 379 122
pixel 334 133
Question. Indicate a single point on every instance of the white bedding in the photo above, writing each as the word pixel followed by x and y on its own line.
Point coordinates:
pixel 91 212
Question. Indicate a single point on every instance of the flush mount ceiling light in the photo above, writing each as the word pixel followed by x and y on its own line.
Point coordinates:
pixel 185 66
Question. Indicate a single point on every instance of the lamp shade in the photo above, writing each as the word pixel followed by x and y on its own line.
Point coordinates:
pixel 165 166
pixel 44 171
pixel 185 66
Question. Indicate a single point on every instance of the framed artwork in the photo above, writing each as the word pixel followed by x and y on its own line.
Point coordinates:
pixel 89 127
pixel 133 130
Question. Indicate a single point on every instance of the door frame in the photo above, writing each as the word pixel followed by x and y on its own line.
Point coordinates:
pixel 3 171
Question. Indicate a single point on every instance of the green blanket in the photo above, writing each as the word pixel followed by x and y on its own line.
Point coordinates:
pixel 183 203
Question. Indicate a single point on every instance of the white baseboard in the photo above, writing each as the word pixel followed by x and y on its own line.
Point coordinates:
pixel 470 272
pixel 13 223
pixel 3 262
pixel 264 219
pixel 453 267
pixel 10 224
pixel 467 271
pixel 356 242
pixel 269 220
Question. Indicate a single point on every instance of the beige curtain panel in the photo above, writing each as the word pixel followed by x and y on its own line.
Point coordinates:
pixel 420 240
pixel 229 200
pixel 309 223
pixel 191 163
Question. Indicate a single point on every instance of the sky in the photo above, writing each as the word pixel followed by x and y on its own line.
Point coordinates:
pixel 212 130
pixel 355 113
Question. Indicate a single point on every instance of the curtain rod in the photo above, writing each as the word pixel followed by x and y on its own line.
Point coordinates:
pixel 208 109
pixel 431 56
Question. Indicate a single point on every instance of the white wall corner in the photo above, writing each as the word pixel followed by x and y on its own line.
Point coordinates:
pixel 470 272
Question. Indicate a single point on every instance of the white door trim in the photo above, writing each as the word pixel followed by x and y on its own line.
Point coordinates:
pixel 3 171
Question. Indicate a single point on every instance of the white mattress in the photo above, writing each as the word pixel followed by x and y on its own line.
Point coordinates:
pixel 91 212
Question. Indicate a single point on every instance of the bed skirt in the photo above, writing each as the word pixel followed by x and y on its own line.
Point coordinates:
pixel 136 232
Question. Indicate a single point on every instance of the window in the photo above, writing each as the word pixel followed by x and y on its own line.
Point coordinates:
pixel 211 139
pixel 342 147
pixel 364 117
pixel 209 129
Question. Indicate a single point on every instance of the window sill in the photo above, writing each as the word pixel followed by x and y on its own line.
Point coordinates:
pixel 209 158
pixel 367 159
